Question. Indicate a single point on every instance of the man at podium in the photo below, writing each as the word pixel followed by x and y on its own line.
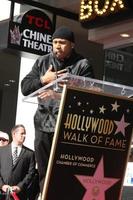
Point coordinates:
pixel 46 69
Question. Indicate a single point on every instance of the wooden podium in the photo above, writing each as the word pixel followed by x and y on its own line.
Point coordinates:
pixel 92 139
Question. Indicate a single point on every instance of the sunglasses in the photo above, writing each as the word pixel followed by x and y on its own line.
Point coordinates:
pixel 3 139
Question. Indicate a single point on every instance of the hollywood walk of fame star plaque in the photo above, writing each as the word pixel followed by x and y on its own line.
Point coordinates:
pixel 90 147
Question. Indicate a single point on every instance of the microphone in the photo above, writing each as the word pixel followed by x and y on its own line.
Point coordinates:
pixel 55 87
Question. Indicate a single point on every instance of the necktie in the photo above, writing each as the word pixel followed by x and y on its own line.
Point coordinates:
pixel 15 155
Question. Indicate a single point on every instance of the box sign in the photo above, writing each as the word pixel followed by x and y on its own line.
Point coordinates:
pixel 31 32
pixel 99 12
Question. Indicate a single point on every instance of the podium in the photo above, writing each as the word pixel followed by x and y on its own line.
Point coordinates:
pixel 82 82
pixel 92 139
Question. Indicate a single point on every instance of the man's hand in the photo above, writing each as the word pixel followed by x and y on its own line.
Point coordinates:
pixel 5 188
pixel 50 76
pixel 12 188
pixel 16 189
pixel 49 94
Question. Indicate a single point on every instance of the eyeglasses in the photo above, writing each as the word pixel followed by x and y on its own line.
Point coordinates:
pixel 3 140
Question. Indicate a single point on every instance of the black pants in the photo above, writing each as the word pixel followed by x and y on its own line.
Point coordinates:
pixel 43 142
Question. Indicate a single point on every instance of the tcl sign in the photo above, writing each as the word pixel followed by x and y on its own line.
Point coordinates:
pixel 97 10
pixel 39 22
pixel 31 32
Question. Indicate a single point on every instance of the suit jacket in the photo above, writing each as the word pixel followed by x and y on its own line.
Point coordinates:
pixel 22 173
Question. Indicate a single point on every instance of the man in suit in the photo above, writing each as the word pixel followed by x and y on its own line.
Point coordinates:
pixel 17 172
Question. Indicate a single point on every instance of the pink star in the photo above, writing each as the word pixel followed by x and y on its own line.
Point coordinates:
pixel 96 185
pixel 121 125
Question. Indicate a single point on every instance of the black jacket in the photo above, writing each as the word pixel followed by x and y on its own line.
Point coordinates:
pixel 45 117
